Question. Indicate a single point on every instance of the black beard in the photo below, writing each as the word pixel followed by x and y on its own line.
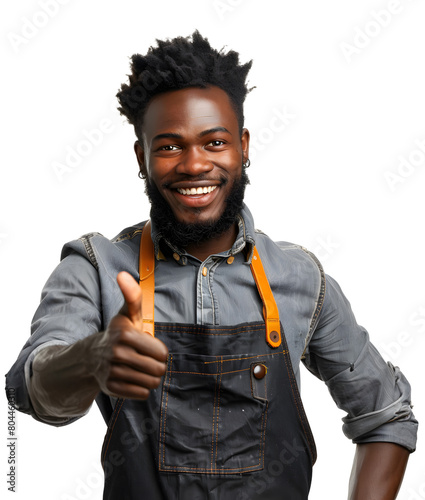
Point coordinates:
pixel 181 234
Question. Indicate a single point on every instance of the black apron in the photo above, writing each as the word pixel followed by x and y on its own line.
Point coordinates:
pixel 227 423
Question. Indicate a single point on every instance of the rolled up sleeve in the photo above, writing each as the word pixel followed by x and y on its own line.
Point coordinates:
pixel 375 394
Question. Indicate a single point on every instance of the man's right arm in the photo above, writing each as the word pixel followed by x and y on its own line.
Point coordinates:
pixel 122 361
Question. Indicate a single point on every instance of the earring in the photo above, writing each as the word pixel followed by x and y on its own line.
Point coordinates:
pixel 141 176
pixel 247 163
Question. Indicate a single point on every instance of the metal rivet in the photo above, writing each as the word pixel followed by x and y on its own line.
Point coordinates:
pixel 274 336
pixel 260 371
pixel 230 259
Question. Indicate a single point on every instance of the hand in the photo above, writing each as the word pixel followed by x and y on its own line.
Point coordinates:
pixel 126 361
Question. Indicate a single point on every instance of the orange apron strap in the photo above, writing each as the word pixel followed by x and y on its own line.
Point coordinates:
pixel 147 284
pixel 270 310
pixel 147 278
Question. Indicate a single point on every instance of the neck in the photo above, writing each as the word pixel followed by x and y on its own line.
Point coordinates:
pixel 204 249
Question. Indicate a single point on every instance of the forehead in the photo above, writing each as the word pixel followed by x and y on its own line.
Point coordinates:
pixel 189 110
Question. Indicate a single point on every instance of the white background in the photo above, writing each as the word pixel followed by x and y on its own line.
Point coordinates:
pixel 322 181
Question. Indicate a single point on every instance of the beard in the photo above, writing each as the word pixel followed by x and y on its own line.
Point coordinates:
pixel 182 234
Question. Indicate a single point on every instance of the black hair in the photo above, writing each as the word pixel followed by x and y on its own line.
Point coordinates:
pixel 179 63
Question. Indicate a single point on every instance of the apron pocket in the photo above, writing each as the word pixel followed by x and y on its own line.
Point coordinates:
pixel 211 420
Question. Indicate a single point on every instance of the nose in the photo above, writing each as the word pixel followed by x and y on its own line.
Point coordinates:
pixel 194 162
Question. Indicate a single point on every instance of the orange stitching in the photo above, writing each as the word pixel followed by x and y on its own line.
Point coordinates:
pixel 213 425
pixel 188 328
pixel 217 334
pixel 162 428
pixel 160 418
pixel 240 327
pixel 218 415
pixel 166 405
pixel 216 470
pixel 166 409
pixel 247 357
pixel 213 374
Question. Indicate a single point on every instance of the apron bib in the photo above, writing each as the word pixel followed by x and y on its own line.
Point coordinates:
pixel 228 422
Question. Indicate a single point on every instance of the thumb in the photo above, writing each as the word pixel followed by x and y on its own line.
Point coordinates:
pixel 132 307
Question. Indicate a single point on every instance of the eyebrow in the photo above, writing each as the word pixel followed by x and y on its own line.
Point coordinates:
pixel 212 130
pixel 173 135
pixel 167 135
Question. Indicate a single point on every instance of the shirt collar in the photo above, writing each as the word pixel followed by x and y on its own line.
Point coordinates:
pixel 245 240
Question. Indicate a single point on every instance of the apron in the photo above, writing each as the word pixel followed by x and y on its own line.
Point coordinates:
pixel 227 423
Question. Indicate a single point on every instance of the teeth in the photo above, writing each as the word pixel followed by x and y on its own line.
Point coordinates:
pixel 199 190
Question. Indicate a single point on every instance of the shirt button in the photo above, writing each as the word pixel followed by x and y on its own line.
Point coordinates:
pixel 260 371
pixel 204 271
pixel 230 259
pixel 176 256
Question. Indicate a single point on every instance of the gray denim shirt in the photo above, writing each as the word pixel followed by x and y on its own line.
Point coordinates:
pixel 81 296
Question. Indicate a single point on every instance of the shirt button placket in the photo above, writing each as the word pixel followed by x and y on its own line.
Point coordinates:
pixel 207 299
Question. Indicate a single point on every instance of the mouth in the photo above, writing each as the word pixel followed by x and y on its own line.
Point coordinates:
pixel 192 196
pixel 191 191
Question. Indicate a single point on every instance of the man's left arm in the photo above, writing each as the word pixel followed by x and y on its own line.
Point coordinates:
pixel 378 471
pixel 375 395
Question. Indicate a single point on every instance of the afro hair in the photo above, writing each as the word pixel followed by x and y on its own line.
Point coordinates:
pixel 179 63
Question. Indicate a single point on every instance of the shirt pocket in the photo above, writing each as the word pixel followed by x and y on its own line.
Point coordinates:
pixel 213 414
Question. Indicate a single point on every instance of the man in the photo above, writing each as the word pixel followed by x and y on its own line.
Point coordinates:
pixel 196 367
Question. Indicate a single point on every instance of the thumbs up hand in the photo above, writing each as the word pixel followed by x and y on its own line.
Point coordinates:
pixel 126 361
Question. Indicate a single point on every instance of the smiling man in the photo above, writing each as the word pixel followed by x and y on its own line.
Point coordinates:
pixel 188 329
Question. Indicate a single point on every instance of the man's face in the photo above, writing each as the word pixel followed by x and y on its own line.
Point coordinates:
pixel 192 152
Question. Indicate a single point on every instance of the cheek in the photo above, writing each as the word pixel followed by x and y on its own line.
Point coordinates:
pixel 157 171
pixel 234 167
pixel 230 163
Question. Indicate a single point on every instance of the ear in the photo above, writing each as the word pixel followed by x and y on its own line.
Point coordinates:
pixel 245 144
pixel 140 155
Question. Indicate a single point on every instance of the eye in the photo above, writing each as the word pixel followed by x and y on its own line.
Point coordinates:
pixel 168 147
pixel 216 143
